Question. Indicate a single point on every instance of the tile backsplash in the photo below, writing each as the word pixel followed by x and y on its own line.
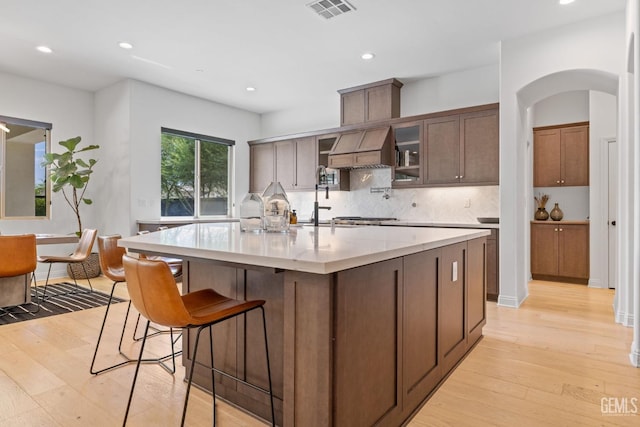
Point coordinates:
pixel 446 204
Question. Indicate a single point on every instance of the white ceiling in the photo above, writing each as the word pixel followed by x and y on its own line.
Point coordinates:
pixel 214 49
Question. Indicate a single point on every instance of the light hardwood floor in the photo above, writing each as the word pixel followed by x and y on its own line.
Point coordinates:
pixel 549 363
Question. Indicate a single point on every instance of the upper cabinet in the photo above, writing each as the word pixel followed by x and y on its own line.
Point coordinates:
pixel 371 102
pixel 408 150
pixel 448 148
pixel 292 162
pixel 262 169
pixel 561 155
pixel 451 149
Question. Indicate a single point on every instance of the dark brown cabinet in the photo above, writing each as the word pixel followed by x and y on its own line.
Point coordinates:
pixel 493 262
pixel 462 148
pixel 296 163
pixel 442 150
pixel 560 251
pixel 561 155
pixel 371 102
pixel 479 142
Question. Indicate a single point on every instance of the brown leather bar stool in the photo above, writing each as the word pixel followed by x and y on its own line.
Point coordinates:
pixel 20 262
pixel 154 294
pixel 110 255
pixel 79 255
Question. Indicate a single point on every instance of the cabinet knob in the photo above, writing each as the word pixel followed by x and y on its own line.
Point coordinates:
pixel 557 182
pixel 461 176
pixel 457 177
pixel 555 229
pixel 561 229
pixel 562 181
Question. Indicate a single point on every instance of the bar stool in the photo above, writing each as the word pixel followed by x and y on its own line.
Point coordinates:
pixel 110 255
pixel 79 255
pixel 154 294
pixel 19 259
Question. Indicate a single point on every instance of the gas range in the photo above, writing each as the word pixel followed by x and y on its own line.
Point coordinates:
pixel 360 220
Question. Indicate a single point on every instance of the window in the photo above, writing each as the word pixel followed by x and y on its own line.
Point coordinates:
pixel 24 189
pixel 195 174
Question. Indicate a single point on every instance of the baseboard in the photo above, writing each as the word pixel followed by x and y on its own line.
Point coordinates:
pixel 625 319
pixel 511 302
pixel 634 357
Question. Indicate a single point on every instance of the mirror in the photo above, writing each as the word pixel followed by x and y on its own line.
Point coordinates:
pixel 24 189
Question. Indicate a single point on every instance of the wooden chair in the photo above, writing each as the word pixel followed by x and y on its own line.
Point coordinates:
pixel 153 292
pixel 79 255
pixel 110 255
pixel 18 259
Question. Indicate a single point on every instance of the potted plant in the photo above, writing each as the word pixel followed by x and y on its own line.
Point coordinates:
pixel 71 174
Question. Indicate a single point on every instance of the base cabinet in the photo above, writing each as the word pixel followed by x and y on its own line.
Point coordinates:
pixel 560 251
pixel 361 347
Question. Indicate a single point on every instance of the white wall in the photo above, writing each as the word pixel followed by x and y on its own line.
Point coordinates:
pixel 135 112
pixel 456 90
pixel 590 53
pixel 71 113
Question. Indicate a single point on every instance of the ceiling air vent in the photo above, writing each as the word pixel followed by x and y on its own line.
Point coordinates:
pixel 330 8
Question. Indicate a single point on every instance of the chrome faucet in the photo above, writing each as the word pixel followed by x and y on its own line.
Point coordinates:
pixel 321 176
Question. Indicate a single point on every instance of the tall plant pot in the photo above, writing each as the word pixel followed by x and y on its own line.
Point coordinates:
pixel 91 265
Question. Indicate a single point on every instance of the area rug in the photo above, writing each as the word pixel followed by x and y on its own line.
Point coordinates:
pixel 61 298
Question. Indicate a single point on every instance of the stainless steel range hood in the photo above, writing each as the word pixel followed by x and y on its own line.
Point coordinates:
pixel 364 148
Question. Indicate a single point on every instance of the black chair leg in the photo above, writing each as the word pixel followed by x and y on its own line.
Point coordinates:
pixel 193 365
pixel 135 375
pixel 104 321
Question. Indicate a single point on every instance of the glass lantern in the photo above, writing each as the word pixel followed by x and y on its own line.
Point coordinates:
pixel 276 209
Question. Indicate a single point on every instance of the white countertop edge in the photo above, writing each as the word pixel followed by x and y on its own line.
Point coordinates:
pixel 318 267
pixel 416 223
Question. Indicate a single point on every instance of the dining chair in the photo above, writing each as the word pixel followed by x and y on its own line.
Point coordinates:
pixel 79 255
pixel 21 262
pixel 110 255
pixel 153 293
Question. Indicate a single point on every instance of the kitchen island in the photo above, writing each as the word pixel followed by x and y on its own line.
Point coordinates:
pixel 363 322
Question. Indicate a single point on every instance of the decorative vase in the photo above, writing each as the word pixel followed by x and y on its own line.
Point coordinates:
pixel 556 213
pixel 541 214
pixel 276 209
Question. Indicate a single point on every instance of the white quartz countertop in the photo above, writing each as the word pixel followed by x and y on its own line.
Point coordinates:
pixel 310 249
pixel 417 223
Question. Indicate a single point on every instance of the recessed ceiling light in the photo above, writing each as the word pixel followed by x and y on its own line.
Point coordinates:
pixel 44 49
pixel 251 89
pixel 566 1
pixel 125 45
pixel 367 56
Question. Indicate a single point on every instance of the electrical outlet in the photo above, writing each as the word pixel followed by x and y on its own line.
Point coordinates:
pixel 467 203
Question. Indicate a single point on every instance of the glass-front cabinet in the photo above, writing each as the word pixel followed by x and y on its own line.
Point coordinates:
pixel 336 179
pixel 408 154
